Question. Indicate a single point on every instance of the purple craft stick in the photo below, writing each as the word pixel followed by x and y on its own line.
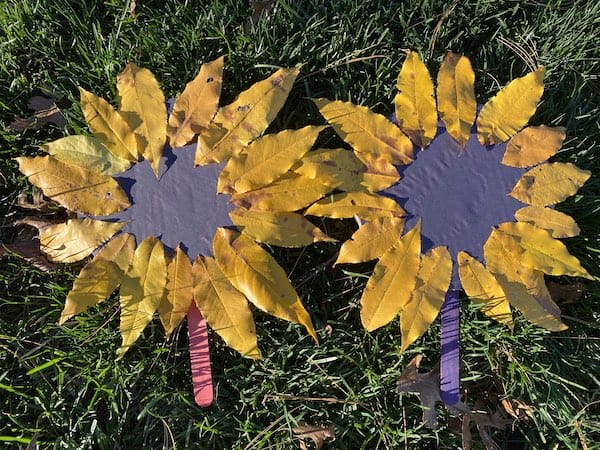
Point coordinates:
pixel 450 361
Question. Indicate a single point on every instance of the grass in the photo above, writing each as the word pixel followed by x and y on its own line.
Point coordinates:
pixel 63 382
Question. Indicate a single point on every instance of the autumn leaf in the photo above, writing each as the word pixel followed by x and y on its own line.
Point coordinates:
pixel 255 273
pixel 76 238
pixel 548 184
pixel 371 240
pixel 100 277
pixel 73 187
pixel 46 110
pixel 416 112
pixel 142 290
pixel 349 204
pixel 242 121
pixel 533 145
pixel 336 167
pixel 197 105
pixel 142 103
pixel 557 223
pixel 456 96
pixel 317 433
pixel 224 307
pixel 510 110
pixel 394 278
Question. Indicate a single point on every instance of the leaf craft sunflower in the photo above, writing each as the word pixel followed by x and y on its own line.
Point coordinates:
pixel 177 225
pixel 463 202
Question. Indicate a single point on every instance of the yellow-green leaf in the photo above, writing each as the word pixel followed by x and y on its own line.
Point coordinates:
pixel 548 184
pixel 366 131
pixel 142 103
pixel 456 96
pixel 557 223
pixel 197 105
pixel 224 307
pixel 179 292
pixel 255 273
pixel 433 280
pixel 510 109
pixel 362 204
pixel 371 240
pixel 75 239
pixel 394 278
pixel 74 188
pixel 289 193
pixel 285 229
pixel 541 251
pixel 109 126
pixel 533 145
pixel 483 288
pixel 100 277
pixel 239 123
pixel 503 258
pixel 415 105
pixel 142 290
pixel 266 159
pixel 88 153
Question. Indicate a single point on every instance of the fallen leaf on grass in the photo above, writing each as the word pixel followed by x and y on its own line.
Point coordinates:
pixel 566 293
pixel 517 409
pixel 45 111
pixel 27 246
pixel 484 421
pixel 317 433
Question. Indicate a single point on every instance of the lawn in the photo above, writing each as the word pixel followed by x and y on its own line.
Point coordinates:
pixel 62 383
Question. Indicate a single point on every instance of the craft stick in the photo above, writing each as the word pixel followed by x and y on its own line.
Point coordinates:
pixel 450 360
pixel 199 358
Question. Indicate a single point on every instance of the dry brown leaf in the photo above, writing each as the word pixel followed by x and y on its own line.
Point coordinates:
pixel 45 111
pixel 27 246
pixel 318 434
pixel 517 409
pixel 566 293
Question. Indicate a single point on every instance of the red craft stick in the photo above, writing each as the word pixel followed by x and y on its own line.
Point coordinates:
pixel 199 358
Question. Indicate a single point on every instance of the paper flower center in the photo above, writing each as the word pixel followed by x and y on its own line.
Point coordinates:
pixel 182 206
pixel 458 194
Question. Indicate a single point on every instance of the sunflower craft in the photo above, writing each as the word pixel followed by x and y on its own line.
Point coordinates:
pixel 176 225
pixel 455 197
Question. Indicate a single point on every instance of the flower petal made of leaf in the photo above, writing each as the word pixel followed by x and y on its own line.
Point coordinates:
pixel 533 145
pixel 433 280
pixel 416 112
pixel 142 103
pixel 348 204
pixel 559 224
pixel 100 277
pixel 224 307
pixel 548 184
pixel 336 167
pixel 75 239
pixel 510 109
pixel 256 274
pixel 285 229
pixel 142 290
pixel 197 105
pixel 456 96
pixel 390 286
pixel 73 187
pixel 242 121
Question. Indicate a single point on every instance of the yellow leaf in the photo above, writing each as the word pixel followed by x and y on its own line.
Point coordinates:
pixel 482 288
pixel 245 119
pixel 433 280
pixel 366 131
pixel 74 188
pixel 289 193
pixel 503 258
pixel 533 145
pixel 558 224
pixel 255 273
pixel 77 238
pixel 542 252
pixel 224 307
pixel 142 290
pixel 284 229
pixel 197 105
pixel 336 167
pixel 100 277
pixel 142 103
pixel 456 96
pixel 371 240
pixel 548 184
pixel 510 109
pixel 109 126
pixel 266 159
pixel 394 278
pixel 88 153
pixel 380 173
pixel 415 105
pixel 179 292
pixel 363 204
